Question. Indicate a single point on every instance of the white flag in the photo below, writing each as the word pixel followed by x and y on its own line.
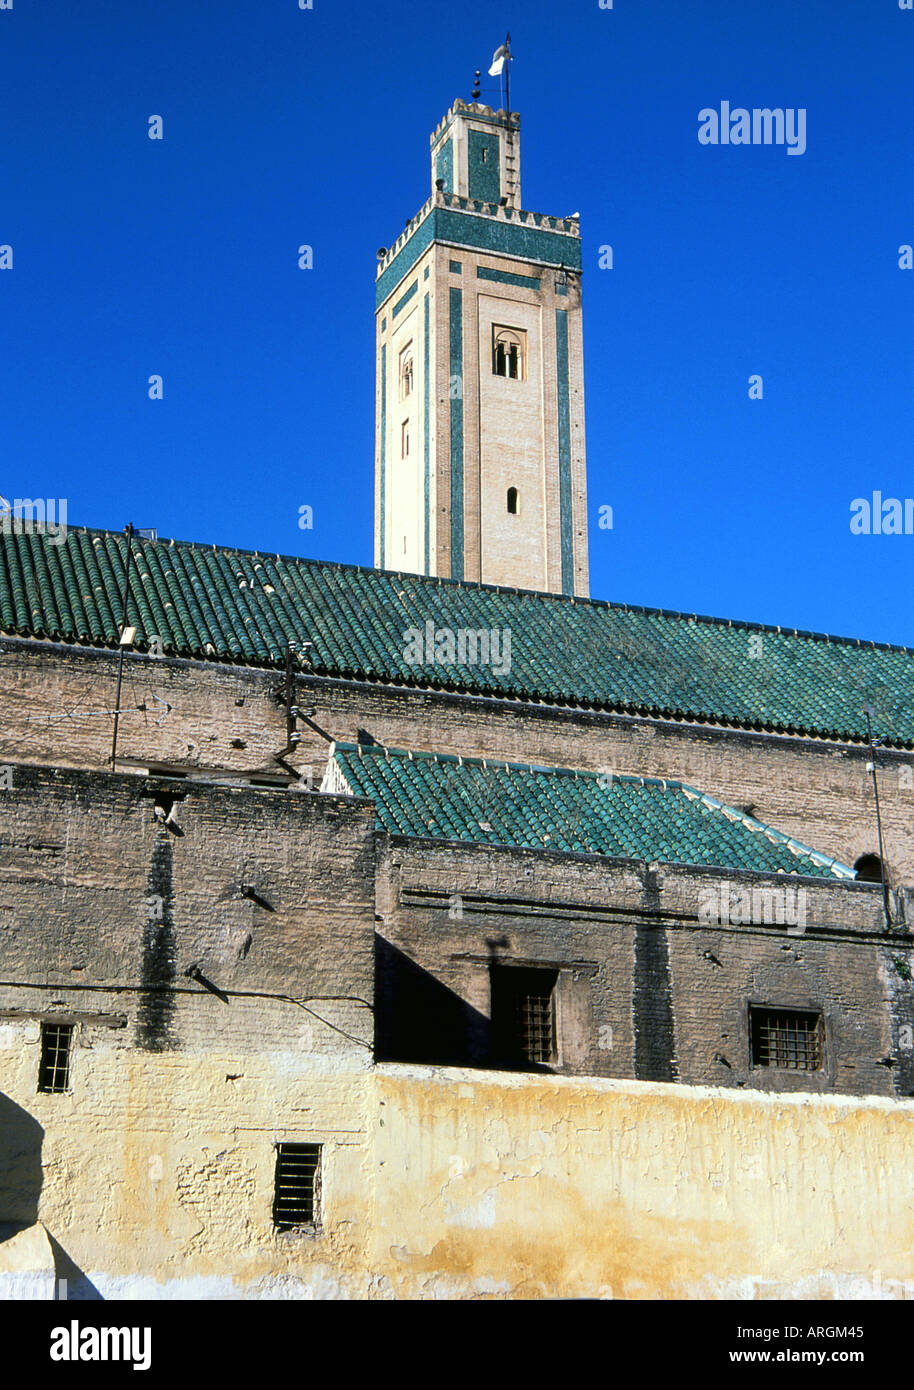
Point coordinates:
pixel 498 60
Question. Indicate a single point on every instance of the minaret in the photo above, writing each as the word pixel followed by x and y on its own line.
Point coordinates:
pixel 479 454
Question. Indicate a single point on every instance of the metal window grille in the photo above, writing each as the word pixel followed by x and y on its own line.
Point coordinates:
pixel 792 1041
pixel 295 1199
pixel 535 1025
pixel 523 1014
pixel 54 1066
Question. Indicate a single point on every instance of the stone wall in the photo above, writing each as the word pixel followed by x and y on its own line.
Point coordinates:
pixel 223 717
pixel 217 973
pixel 645 989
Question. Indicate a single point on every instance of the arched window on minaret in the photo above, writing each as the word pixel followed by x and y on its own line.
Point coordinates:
pixel 512 501
pixel 508 353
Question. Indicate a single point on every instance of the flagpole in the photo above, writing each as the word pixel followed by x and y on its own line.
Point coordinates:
pixel 508 76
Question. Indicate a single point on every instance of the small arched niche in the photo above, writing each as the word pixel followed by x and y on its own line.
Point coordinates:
pixel 869 868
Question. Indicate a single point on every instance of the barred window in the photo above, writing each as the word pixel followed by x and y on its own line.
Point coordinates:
pixel 54 1066
pixel 791 1040
pixel 523 1015
pixel 297 1186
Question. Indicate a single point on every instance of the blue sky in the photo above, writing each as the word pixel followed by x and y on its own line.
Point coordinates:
pixel 283 127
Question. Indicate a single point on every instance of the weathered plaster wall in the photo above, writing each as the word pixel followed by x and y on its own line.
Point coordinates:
pixel 154 1176
pixel 154 1171
pixel 500 1186
pixel 450 1183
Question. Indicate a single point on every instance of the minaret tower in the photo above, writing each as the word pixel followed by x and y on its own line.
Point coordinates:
pixel 479 437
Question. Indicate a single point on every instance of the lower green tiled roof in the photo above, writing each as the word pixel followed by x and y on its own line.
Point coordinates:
pixel 239 606
pixel 441 797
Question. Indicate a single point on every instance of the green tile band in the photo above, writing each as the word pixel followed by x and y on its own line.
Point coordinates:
pixel 402 303
pixel 642 818
pixel 455 332
pixel 566 520
pixel 505 277
pixel 524 240
pixel 483 161
pixel 383 448
pixel 426 432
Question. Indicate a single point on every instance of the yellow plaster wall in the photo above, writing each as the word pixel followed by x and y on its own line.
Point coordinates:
pixel 525 1187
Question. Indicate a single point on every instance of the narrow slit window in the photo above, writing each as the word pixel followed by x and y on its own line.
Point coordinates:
pixel 404 440
pixel 790 1040
pixel 512 501
pixel 54 1066
pixel 297 1186
pixel 406 372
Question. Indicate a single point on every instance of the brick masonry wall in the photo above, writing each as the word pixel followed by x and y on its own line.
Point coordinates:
pixel 645 991
pixel 163 1146
pixel 818 791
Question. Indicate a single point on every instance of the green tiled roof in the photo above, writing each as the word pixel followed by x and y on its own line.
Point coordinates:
pixel 240 606
pixel 495 803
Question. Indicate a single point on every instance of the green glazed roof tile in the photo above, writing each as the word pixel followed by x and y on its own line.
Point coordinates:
pixel 219 604
pixel 439 796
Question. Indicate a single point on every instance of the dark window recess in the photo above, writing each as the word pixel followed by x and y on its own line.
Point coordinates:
pixel 295 1199
pixel 869 868
pixel 507 355
pixel 54 1067
pixel 523 1015
pixel 512 501
pixel 792 1041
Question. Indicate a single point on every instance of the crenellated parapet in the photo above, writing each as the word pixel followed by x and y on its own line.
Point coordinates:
pixel 476 111
pixel 568 226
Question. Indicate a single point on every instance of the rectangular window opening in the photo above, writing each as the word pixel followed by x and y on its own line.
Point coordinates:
pixel 523 1015
pixel 509 352
pixel 297 1186
pixel 791 1040
pixel 54 1066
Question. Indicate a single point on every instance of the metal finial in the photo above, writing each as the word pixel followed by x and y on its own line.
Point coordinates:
pixel 476 86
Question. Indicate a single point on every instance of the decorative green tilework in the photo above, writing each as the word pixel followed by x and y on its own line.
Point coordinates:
pixel 383 448
pixel 566 519
pixel 506 277
pixel 455 387
pixel 426 431
pixel 405 259
pixel 524 241
pixel 444 165
pixel 402 303
pixel 483 166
